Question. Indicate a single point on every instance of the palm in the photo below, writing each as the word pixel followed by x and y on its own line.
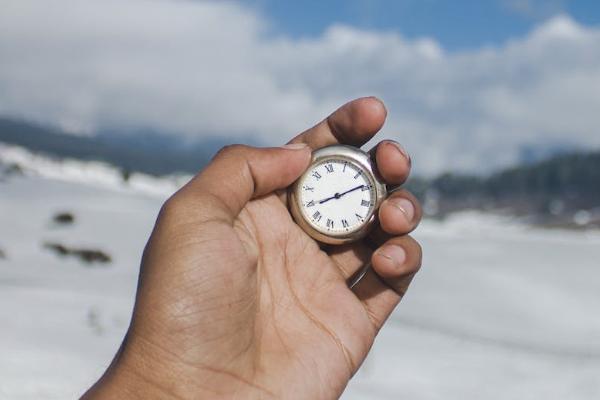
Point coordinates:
pixel 278 303
pixel 304 310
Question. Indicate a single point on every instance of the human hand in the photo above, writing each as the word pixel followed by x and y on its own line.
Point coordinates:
pixel 235 301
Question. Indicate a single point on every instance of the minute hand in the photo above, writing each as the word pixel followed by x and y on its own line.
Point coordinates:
pixel 351 190
pixel 338 195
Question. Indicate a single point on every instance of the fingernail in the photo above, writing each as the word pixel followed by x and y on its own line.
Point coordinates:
pixel 405 206
pixel 393 254
pixel 402 150
pixel 295 146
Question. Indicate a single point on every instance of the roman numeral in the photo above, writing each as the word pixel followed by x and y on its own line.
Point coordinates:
pixel 310 203
pixel 316 175
pixel 359 173
pixel 365 203
pixel 329 168
pixel 345 223
pixel 329 223
pixel 317 216
pixel 309 188
pixel 365 187
pixel 359 217
pixel 344 169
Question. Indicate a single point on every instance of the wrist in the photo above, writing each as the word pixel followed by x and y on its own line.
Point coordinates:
pixel 141 370
pixel 119 383
pixel 133 375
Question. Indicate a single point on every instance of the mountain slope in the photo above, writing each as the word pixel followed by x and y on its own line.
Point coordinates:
pixel 151 153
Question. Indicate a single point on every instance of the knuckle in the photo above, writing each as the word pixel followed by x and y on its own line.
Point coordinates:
pixel 173 206
pixel 230 150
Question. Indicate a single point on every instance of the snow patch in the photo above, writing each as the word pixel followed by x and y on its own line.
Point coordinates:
pixel 92 173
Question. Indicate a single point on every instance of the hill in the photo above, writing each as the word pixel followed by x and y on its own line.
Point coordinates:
pixel 147 152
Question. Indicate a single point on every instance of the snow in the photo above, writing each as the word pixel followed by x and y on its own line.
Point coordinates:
pixel 62 321
pixel 94 173
pixel 499 310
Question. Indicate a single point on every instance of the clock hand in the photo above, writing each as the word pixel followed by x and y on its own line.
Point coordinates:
pixel 351 190
pixel 338 195
pixel 335 196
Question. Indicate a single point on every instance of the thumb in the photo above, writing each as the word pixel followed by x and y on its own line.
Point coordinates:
pixel 240 173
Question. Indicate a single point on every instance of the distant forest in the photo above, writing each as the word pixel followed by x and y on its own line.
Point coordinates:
pixel 550 191
pixel 556 187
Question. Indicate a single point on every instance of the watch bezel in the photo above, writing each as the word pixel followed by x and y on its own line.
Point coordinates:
pixel 357 156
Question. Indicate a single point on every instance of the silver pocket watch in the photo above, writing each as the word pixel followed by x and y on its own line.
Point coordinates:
pixel 336 199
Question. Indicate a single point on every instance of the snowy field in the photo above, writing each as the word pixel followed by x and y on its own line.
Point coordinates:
pixel 498 311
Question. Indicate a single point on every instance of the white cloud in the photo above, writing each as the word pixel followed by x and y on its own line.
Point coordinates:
pixel 208 68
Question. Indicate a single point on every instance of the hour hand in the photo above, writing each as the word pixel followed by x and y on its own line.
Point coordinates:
pixel 335 196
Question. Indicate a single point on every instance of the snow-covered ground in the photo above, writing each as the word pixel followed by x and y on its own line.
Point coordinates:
pixel 498 311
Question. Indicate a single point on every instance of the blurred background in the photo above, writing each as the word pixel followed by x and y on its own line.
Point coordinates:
pixel 107 107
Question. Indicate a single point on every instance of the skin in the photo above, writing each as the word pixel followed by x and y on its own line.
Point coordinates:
pixel 235 301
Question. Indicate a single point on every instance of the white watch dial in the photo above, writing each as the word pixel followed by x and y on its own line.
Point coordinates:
pixel 337 196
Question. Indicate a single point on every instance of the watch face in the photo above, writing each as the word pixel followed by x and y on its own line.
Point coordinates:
pixel 336 196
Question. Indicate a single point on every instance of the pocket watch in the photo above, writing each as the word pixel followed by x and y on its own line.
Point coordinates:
pixel 336 199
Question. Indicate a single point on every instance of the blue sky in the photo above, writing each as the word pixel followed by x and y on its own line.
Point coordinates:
pixel 456 25
pixel 468 85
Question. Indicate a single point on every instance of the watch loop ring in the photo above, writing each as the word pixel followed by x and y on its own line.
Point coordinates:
pixel 358 276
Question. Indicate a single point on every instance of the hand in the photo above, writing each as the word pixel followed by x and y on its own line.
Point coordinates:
pixel 235 301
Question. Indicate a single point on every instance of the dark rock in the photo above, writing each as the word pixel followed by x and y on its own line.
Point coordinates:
pixel 125 175
pixel 13 169
pixel 8 170
pixel 64 218
pixel 57 248
pixel 88 256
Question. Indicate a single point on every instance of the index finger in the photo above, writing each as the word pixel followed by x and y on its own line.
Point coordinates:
pixel 354 123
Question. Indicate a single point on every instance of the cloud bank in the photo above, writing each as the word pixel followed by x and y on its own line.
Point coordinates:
pixel 214 68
